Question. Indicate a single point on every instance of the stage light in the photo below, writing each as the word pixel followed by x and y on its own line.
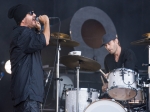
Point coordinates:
pixel 7 67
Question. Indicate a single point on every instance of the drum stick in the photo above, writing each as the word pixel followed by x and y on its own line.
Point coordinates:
pixel 103 73
pixel 102 80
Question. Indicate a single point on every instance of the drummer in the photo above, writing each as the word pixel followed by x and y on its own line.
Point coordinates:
pixel 118 57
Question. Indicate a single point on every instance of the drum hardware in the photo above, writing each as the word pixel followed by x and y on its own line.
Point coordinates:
pixel 123 72
pixel 139 109
pixel 65 89
pixel 114 84
pixel 138 79
pixel 145 85
pixel 89 100
pixel 145 64
pixel 60 39
pixel 80 63
pixel 89 96
pixel 145 41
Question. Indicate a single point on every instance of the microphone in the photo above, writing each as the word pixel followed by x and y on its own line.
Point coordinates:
pixel 37 18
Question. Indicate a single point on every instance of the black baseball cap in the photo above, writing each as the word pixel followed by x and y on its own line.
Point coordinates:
pixel 108 37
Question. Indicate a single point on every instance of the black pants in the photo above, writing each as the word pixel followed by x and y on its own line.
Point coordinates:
pixel 28 106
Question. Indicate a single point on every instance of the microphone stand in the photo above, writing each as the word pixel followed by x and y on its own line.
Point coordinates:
pixel 57 69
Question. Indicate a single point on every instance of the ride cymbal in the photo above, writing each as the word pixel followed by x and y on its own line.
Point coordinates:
pixel 86 64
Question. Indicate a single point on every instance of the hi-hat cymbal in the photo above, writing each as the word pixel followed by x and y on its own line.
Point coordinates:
pixel 145 41
pixel 64 42
pixel 60 35
pixel 86 64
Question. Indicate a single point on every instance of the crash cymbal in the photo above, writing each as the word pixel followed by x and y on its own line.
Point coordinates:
pixel 146 35
pixel 145 41
pixel 57 35
pixel 86 64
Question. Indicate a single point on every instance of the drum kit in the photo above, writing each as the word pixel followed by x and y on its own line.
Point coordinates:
pixel 126 93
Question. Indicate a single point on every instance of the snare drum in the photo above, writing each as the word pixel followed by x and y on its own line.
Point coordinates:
pixel 122 84
pixel 105 106
pixel 84 95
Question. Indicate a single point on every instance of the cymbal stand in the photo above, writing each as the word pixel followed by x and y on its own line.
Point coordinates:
pixel 77 92
pixel 57 78
pixel 149 73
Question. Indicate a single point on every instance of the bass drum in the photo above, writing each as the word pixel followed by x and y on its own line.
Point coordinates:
pixel 105 106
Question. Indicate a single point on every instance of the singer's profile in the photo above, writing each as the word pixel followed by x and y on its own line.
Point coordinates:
pixel 27 85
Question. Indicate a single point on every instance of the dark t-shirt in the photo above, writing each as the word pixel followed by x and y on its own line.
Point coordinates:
pixel 26 65
pixel 127 60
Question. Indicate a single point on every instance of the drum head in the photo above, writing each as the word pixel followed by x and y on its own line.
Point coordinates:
pixel 122 94
pixel 105 106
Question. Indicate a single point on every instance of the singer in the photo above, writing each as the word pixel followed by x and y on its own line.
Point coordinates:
pixel 118 57
pixel 27 87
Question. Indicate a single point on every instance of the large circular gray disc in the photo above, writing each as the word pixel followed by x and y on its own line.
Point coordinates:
pixel 87 27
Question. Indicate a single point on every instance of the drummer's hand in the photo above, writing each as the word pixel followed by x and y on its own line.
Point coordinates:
pixel 106 75
pixel 104 87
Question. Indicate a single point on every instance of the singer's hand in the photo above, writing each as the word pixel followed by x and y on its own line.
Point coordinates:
pixel 44 19
pixel 46 31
